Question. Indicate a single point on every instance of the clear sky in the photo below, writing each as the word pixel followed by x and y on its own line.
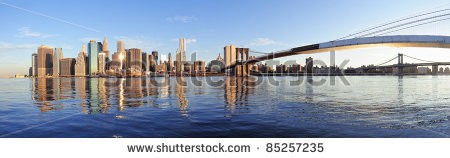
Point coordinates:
pixel 265 26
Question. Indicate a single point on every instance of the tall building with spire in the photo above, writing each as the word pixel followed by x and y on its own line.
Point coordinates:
pixel 180 56
pixel 81 64
pixel 105 48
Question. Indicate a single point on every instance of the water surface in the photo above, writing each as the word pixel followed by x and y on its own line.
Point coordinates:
pixel 370 106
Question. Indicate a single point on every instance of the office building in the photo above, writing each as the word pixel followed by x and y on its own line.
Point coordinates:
pixel 170 63
pixel 121 53
pixel 34 64
pixel 116 63
pixel 81 65
pixel 295 68
pixel 281 68
pixel 145 62
pixel 309 66
pixel 93 49
pixel 30 71
pixel 45 61
pixel 161 68
pixel 105 49
pixel 57 55
pixel 101 63
pixel 180 56
pixel 67 66
pixel 155 56
pixel 199 67
pixel 134 60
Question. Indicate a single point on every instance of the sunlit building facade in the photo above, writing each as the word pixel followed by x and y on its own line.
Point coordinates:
pixel 57 55
pixel 45 61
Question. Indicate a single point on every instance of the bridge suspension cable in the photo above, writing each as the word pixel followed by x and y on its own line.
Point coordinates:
pixel 390 23
pixel 387 61
pixel 413 26
pixel 258 52
pixel 419 59
pixel 406 24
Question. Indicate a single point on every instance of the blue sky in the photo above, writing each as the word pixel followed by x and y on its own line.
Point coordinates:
pixel 264 26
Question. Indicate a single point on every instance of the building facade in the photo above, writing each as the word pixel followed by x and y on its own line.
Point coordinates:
pixel 180 56
pixel 67 66
pixel 93 49
pixel 134 61
pixel 45 61
pixel 34 64
pixel 57 55
pixel 101 63
pixel 81 65
pixel 105 49
pixel 309 66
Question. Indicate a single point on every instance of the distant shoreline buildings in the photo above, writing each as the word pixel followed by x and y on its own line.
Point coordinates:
pixel 95 61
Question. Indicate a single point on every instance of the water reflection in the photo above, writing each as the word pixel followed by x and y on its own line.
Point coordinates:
pixel 383 102
pixel 97 95
pixel 238 90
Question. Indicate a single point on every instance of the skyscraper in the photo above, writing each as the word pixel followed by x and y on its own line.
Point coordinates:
pixel 134 61
pixel 57 55
pixel 121 53
pixel 115 64
pixel 93 49
pixel 155 56
pixel 34 64
pixel 105 49
pixel 81 67
pixel 102 63
pixel 145 62
pixel 180 56
pixel 45 61
pixel 152 63
pixel 309 66
pixel 170 64
pixel 120 46
pixel 67 66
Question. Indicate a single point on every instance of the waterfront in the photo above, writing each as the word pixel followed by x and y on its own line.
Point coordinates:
pixel 370 106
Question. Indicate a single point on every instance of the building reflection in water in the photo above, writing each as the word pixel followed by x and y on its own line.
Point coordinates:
pixel 43 94
pixel 80 89
pixel 309 89
pixel 180 91
pixel 96 95
pixel 237 90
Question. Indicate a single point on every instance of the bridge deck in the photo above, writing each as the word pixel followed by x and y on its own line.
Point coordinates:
pixel 392 41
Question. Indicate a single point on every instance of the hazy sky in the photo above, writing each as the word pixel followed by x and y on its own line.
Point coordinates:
pixel 264 26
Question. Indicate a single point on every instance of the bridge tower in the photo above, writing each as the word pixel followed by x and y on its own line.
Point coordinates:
pixel 434 69
pixel 242 69
pixel 400 64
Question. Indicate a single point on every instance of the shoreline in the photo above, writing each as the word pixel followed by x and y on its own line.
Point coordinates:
pixel 223 74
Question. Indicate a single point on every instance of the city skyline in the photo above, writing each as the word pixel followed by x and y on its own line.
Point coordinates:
pixel 207 27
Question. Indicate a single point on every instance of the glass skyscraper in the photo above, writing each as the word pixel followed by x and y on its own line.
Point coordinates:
pixel 93 49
